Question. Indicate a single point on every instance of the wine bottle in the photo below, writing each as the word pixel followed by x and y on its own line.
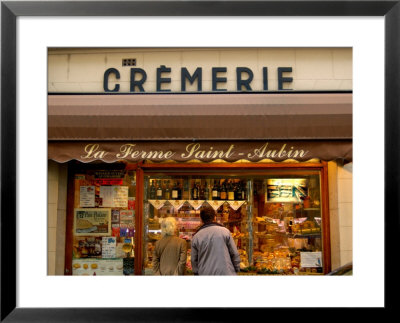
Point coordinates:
pixel 231 193
pixel 185 189
pixel 237 191
pixel 201 192
pixel 207 192
pixel 195 191
pixel 219 190
pixel 160 192
pixel 152 190
pixel 167 191
pixel 223 191
pixel 214 191
pixel 174 194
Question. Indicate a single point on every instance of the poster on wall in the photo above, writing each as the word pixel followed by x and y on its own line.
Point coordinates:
pixel 92 222
pixel 87 247
pixel 114 196
pixel 120 196
pixel 286 190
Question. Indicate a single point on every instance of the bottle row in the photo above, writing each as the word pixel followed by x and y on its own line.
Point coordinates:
pixel 197 189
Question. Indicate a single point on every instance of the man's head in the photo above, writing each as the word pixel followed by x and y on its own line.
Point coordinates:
pixel 207 215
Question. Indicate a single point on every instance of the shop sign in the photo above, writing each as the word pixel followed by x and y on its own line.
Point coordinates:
pixel 207 151
pixel 133 151
pixel 244 79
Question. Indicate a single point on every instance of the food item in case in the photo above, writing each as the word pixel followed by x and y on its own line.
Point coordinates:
pixel 93 266
pixel 85 266
pixel 76 266
pixel 153 236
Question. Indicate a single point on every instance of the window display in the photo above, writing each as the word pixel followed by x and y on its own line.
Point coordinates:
pixel 183 200
pixel 275 218
pixel 104 222
pixel 276 215
pixel 287 227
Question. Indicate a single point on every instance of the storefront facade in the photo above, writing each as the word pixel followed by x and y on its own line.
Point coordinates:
pixel 264 136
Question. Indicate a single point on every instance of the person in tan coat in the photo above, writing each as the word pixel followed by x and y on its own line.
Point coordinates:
pixel 170 253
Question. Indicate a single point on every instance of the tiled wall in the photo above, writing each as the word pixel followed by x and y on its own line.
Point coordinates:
pixel 56 215
pixel 341 212
pixel 345 198
pixel 82 70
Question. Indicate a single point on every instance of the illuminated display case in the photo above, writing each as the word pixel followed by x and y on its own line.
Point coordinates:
pixel 182 196
pixel 275 217
pixel 287 233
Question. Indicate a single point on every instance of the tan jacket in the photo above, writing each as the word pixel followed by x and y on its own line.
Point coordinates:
pixel 169 257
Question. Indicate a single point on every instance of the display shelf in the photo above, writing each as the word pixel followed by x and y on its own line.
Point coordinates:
pixel 298 235
pixel 233 221
pixel 194 203
pixel 305 235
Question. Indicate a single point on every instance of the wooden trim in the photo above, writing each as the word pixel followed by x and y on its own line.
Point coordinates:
pixel 69 220
pixel 139 221
pixel 326 241
pixel 254 168
pixel 243 166
pixel 129 166
pixel 140 168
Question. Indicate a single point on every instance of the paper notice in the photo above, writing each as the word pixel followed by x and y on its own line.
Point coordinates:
pixel 120 196
pixel 310 259
pixel 108 248
pixel 87 196
pixel 106 196
pixel 114 196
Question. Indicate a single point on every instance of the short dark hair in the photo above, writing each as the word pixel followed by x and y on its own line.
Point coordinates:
pixel 207 214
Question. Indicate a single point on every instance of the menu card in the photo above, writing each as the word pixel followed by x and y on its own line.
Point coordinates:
pixel 109 246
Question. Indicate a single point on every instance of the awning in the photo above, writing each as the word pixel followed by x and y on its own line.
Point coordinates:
pixel 176 117
pixel 206 151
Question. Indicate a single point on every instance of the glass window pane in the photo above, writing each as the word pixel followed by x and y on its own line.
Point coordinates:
pixel 182 196
pixel 274 216
pixel 287 226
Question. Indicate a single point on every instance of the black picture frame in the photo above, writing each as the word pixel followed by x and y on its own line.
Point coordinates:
pixel 10 10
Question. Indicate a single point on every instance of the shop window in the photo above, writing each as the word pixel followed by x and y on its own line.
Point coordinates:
pixel 274 218
pixel 104 222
